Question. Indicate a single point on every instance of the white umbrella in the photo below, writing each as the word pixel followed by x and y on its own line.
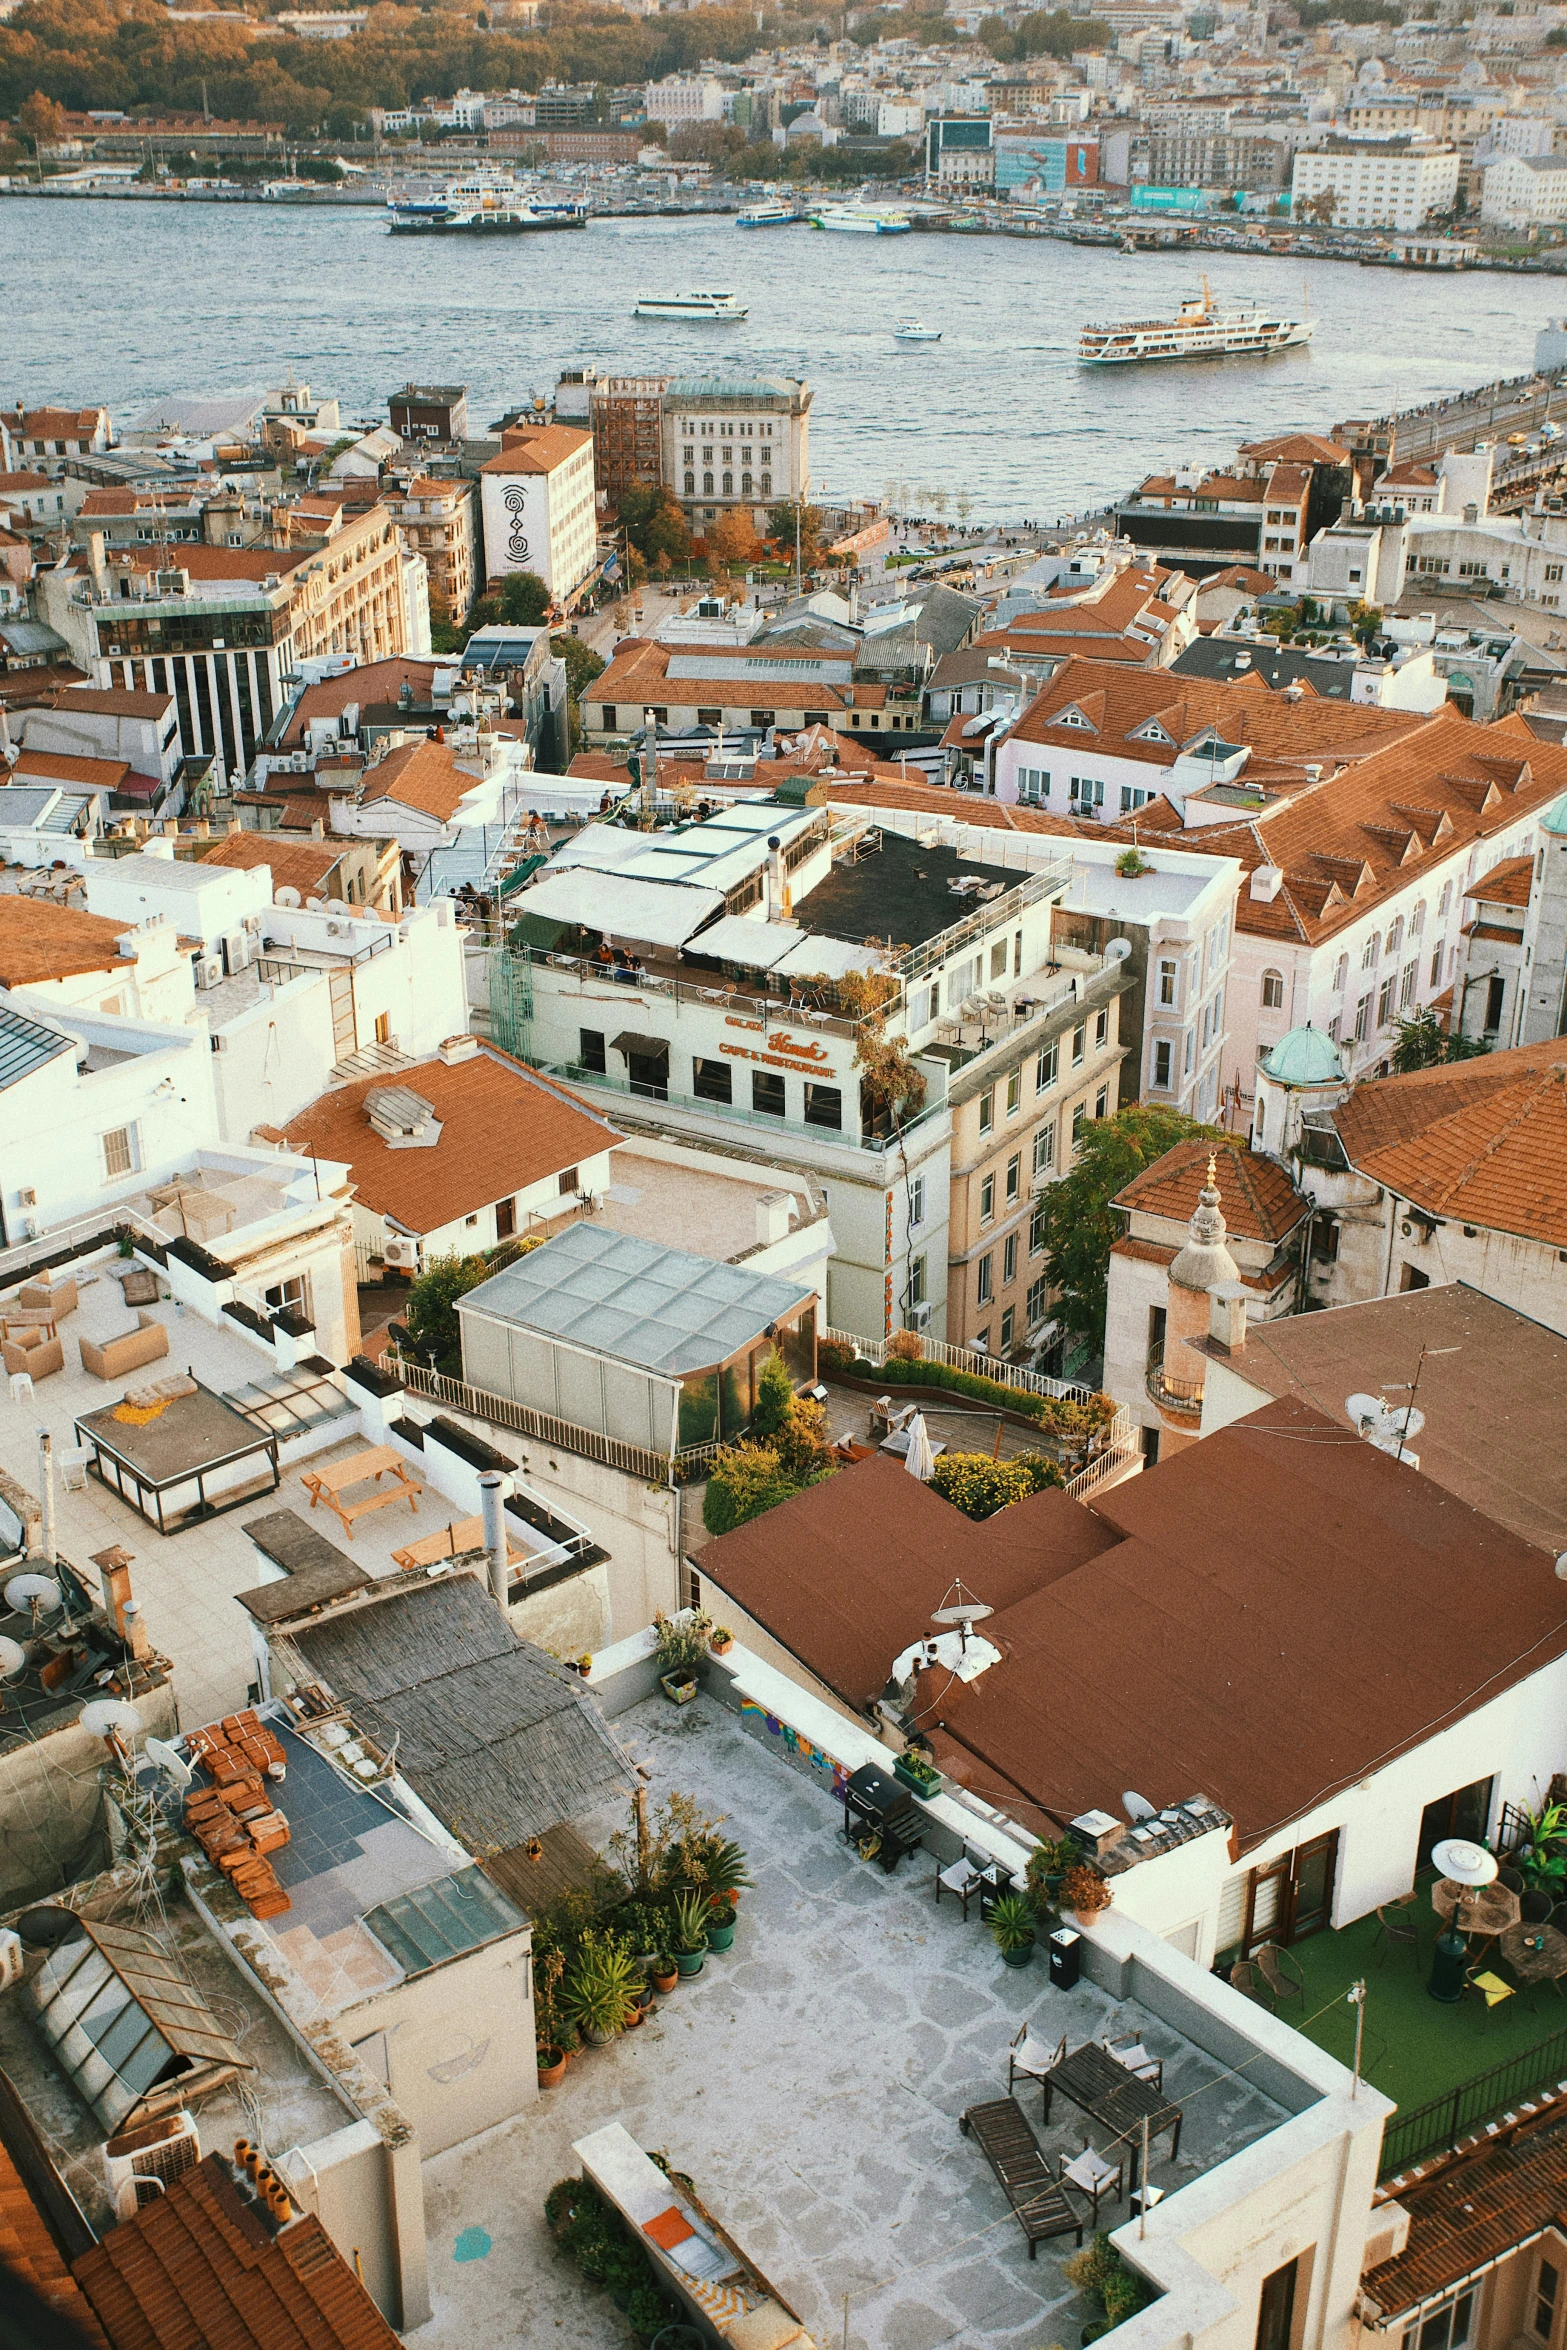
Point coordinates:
pixel 919 1460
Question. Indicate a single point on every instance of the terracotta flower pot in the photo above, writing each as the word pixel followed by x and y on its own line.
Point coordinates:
pixel 664 1984
pixel 551 2074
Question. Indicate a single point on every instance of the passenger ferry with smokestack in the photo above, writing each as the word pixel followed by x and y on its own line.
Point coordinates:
pixel 768 212
pixel 862 220
pixel 484 204
pixel 1200 329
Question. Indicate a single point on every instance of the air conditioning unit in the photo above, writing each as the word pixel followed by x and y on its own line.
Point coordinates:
pixel 402 1250
pixel 919 1317
pixel 209 970
pixel 141 2163
pixel 27 1199
pixel 237 950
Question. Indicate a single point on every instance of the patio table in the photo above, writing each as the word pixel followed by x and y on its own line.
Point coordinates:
pixel 1536 1954
pixel 1474 1909
pixel 1115 2098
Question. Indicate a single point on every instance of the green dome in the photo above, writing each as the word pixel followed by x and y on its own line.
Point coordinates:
pixel 1555 817
pixel 1307 1056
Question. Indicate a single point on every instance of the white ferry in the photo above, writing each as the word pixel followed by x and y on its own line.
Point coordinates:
pixel 484 204
pixel 862 220
pixel 1200 329
pixel 768 212
pixel 699 305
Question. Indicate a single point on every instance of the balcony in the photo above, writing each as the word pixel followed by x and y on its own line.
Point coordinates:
pixel 1181 1398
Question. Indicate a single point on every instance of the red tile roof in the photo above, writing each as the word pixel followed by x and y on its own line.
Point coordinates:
pixel 1476 1142
pixel 1506 884
pixel 376 683
pixel 41 941
pixel 1123 707
pixel 422 775
pixel 1258 1200
pixel 1475 2212
pixel 546 448
pixel 28 2251
pixel 199 2269
pixel 295 863
pixel 503 1129
pixel 115 701
pixel 64 767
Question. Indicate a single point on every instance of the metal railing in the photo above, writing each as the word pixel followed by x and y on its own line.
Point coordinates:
pixel 933 952
pixel 960 1358
pixel 1531 2077
pixel 1171 1395
pixel 1118 1460
pixel 759 1126
pixel 786 1007
pixel 637 1460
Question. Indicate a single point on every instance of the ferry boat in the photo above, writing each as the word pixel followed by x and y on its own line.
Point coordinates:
pixel 1200 329
pixel 485 204
pixel 861 220
pixel 699 305
pixel 914 330
pixel 768 212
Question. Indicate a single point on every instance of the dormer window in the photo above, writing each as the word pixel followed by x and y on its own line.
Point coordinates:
pixel 1073 717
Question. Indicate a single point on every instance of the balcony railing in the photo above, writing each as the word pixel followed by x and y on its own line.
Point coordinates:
pixel 1515 2088
pixel 1181 1396
pixel 794 1005
pixel 758 1124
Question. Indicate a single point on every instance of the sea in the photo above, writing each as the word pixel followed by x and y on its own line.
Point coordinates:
pixel 127 302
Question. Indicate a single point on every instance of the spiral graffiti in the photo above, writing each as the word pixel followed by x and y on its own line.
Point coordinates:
pixel 515 502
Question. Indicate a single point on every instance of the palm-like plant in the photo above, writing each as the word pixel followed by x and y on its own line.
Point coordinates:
pixel 601 1986
pixel 691 1920
pixel 1012 1922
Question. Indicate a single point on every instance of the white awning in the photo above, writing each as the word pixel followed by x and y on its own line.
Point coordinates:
pixel 652 913
pixel 830 956
pixel 738 939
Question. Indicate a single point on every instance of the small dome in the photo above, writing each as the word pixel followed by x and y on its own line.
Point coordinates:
pixel 1205 1259
pixel 1306 1056
pixel 1555 817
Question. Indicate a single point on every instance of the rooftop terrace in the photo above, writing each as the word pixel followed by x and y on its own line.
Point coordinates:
pixel 811 2082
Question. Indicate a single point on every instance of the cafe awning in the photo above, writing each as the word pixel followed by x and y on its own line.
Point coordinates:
pixel 652 913
pixel 755 945
pixel 644 1048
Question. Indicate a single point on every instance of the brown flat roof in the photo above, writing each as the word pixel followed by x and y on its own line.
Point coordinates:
pixel 1495 1429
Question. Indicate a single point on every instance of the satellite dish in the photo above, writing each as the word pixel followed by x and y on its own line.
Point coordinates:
pixel 1364 1410
pixel 46 1927
pixel 1137 1806
pixel 969 1611
pixel 38 1594
pixel 338 906
pixel 13 1658
pixel 1118 950
pixel 1561 1567
pixel 288 895
pixel 163 1758
pixel 110 1717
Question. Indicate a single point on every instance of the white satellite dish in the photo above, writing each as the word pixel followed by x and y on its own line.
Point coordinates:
pixel 13 1658
pixel 970 1611
pixel 1118 950
pixel 1561 1566
pixel 38 1595
pixel 288 895
pixel 1364 1410
pixel 1137 1806
pixel 110 1717
pixel 1389 1430
pixel 163 1758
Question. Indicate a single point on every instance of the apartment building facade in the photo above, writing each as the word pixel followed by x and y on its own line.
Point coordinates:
pixel 1393 182
pixel 439 519
pixel 736 442
pixel 539 509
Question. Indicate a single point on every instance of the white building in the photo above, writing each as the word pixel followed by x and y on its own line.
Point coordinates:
pixel 899 118
pixel 538 504
pixel 681 99
pixel 1517 191
pixel 736 441
pixel 1376 183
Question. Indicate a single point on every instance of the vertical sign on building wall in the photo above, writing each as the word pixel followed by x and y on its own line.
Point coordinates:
pixel 887 1301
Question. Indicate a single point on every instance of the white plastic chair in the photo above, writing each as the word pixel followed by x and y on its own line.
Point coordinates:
pixel 21 1387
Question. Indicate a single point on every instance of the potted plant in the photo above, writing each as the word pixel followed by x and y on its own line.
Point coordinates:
pixel 552 2064
pixel 664 1973
pixel 1084 1891
pixel 680 1651
pixel 1012 1926
pixel 722 1641
pixel 1130 863
pixel 690 1933
pixel 647 2312
pixel 721 1925
pixel 600 1988
pixel 917 1771
pixel 585 1666
pixel 1048 1864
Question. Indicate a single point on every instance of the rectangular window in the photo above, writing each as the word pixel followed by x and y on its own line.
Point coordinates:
pixel 712 1081
pixel 1102 1101
pixel 916 1201
pixel 1436 968
pixel 916 1281
pixel 1132 798
pixel 1079 1118
pixel 767 1093
pixel 1037 1301
pixel 1014 1178
pixel 1363 1019
pixel 121 1153
pixel 1009 1260
pixel 1102 1028
pixel 987 1109
pixel 590 1050
pixel 998 959
pixel 1008 1324
pixel 1167 983
pixel 1044 1150
pixel 1547 2289
pixel 1036 1230
pixel 1447 2326
pixel 987 1200
pixel 1406 985
pixel 1045 1069
pixel 984 1283
pixel 1385 1002
pixel 1162 1056
pixel 1014 1092
pixel 1033 784
pixel 823 1106
pixel 1079 1046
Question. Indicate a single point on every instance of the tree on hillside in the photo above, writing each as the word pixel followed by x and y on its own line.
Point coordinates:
pixel 40 118
pixel 653 522
pixel 524 600
pixel 1075 1219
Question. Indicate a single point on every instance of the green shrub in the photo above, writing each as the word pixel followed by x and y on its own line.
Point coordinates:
pixel 979 1486
pixel 648 2310
pixel 745 1480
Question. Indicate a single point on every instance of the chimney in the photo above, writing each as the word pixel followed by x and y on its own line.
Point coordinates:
pixel 775 878
pixel 492 1488
pixel 1266 882
pixel 773 1211
pixel 114 1573
pixel 453 1049
pixel 1227 1317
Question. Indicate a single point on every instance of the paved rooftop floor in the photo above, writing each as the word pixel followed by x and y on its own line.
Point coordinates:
pixel 810 2081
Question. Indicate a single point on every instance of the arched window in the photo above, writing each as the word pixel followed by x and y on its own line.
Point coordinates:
pixel 707 485
pixel 1273 991
pixel 745 485
pixel 690 485
pixel 767 485
pixel 729 485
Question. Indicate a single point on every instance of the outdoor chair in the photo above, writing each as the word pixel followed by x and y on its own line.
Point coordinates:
pixel 1092 2176
pixel 1559 1917
pixel 1510 1880
pixel 1489 1987
pixel 1397 1924
pixel 1030 2059
pixel 962 1878
pixel 1534 1908
pixel 1136 2059
pixel 1246 1977
pixel 1281 1973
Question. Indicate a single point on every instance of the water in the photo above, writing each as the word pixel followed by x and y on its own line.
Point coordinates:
pixel 125 302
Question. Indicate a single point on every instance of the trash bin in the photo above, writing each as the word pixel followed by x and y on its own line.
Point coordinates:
pixel 1066 1959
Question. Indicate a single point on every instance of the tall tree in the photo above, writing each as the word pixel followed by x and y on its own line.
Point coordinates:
pixel 1078 1225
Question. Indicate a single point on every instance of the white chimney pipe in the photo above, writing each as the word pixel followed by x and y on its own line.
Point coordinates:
pixel 46 1493
pixel 775 878
pixel 492 1488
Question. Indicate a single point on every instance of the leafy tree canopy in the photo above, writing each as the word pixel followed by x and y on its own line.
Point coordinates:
pixel 1080 1226
pixel 1423 1043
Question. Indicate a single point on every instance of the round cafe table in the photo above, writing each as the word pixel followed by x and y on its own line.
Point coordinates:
pixel 1536 1954
pixel 1474 1909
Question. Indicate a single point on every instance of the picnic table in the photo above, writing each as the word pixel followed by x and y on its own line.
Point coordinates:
pixel 1115 2098
pixel 328 1485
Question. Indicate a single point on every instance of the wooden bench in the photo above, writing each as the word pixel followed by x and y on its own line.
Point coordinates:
pixel 464 1534
pixel 1009 2146
pixel 328 1485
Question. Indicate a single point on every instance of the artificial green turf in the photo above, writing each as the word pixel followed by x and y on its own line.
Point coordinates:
pixel 1415 2048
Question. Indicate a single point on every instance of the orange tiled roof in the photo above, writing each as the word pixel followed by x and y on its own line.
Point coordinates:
pixel 1477 1142
pixel 547 447
pixel 27 2250
pixel 40 941
pixel 298 864
pixel 503 1129
pixel 1259 1201
pixel 199 2266
pixel 423 775
pixel 375 683
pixel 1473 2213
pixel 639 674
pixel 1298 448
pixel 1506 884
pixel 1123 706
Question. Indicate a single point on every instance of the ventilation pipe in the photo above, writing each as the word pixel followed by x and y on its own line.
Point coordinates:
pixel 492 1487
pixel 775 878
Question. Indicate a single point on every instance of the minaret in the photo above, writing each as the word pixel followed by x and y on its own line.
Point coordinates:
pixel 1177 1384
pixel 1544 1010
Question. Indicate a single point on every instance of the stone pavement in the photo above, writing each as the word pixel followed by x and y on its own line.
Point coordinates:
pixel 811 2082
